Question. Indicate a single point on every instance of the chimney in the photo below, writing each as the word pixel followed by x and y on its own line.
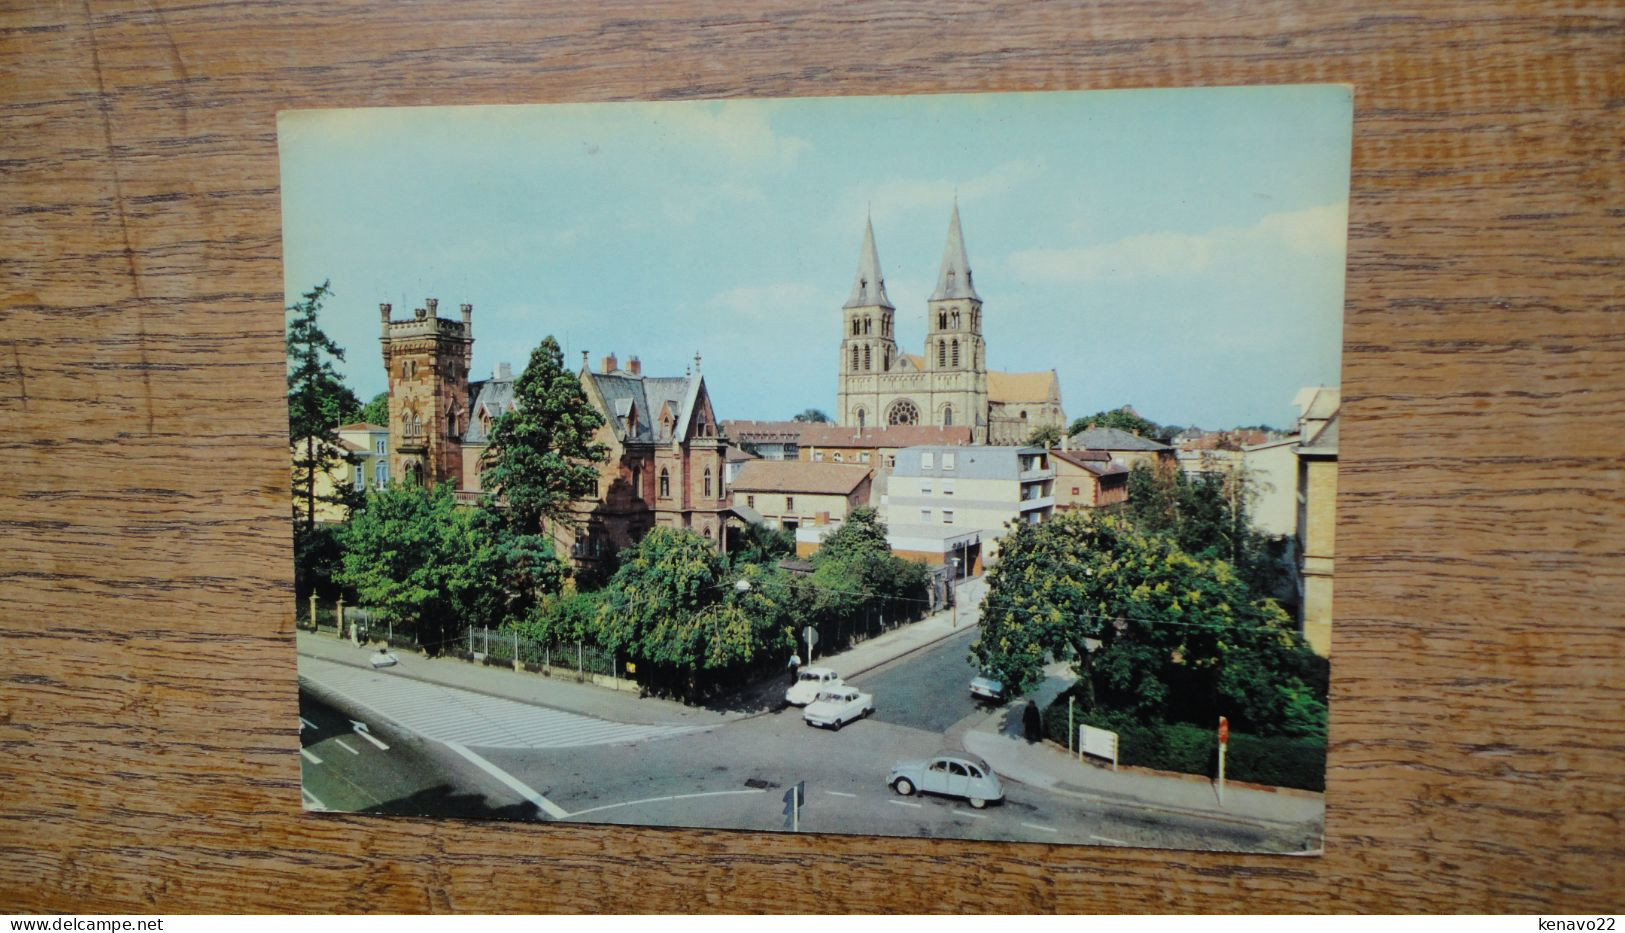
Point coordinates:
pixel 610 363
pixel 504 371
pixel 433 304
pixel 583 359
pixel 635 366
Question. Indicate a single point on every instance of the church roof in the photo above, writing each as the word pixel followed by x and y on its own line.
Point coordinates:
pixel 914 360
pixel 954 278
pixel 1022 387
pixel 868 286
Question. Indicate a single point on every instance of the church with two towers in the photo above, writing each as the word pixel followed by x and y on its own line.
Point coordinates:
pixel 949 384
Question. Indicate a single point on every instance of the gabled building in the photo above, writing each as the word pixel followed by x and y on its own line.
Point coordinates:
pixel 809 499
pixel 770 440
pixel 1126 448
pixel 1088 479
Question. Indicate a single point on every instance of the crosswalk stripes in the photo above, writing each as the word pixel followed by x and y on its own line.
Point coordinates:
pixel 447 714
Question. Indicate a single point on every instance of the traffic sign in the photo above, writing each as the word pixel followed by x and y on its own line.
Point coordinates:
pixel 810 635
pixel 1224 731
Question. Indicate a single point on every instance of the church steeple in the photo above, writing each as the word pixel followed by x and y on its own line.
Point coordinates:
pixel 954 278
pixel 868 287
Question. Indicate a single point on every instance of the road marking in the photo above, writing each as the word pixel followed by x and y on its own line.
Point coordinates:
pixel 310 756
pixel 905 803
pixel 1040 826
pixel 633 803
pixel 311 801
pixel 347 748
pixel 1109 841
pixel 542 803
pixel 840 793
pixel 975 816
pixel 368 735
pixel 307 724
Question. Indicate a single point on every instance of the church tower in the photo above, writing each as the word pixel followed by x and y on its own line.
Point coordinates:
pixel 955 353
pixel 868 342
pixel 427 359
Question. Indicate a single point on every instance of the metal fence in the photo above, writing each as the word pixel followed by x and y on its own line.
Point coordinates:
pixel 500 647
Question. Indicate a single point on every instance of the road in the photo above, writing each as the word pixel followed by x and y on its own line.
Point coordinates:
pixel 468 755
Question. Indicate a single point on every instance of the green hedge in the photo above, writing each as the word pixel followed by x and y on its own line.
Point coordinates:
pixel 1277 761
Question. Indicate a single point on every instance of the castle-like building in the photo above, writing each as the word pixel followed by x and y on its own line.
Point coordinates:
pixel 666 451
pixel 949 384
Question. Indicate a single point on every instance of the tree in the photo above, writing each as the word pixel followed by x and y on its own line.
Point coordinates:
pixel 813 416
pixel 1150 629
pixel 542 452
pixel 857 580
pixel 1123 419
pixel 417 558
pixel 760 544
pixel 375 411
pixel 1045 435
pixel 317 401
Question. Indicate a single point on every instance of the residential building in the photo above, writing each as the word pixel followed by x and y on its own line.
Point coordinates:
pixel 949 384
pixel 1317 513
pixel 1088 479
pixel 953 503
pixel 770 440
pixel 733 460
pixel 1129 449
pixel 1271 470
pixel 809 499
pixel 830 443
pixel 360 461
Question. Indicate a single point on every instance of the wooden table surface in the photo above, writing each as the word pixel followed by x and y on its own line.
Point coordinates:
pixel 147 692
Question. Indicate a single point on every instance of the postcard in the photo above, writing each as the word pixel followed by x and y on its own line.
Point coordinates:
pixel 937 466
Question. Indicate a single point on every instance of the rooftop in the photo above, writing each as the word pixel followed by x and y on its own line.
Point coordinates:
pixel 1114 439
pixel 800 476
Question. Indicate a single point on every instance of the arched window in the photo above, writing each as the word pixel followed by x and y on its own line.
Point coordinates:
pixel 942 320
pixel 868 324
pixel 947 416
pixel 861 416
pixel 953 319
pixel 854 358
pixel 665 483
pixel 637 482
pixel 708 482
pixel 942 353
pixel 866 359
pixel 855 327
pixel 956 352
pixel 451 424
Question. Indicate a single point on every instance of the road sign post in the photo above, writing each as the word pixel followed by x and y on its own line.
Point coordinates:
pixel 1224 743
pixel 1071 729
pixel 811 635
pixel 793 799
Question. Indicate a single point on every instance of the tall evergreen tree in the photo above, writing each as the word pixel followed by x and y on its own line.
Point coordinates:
pixel 317 401
pixel 542 452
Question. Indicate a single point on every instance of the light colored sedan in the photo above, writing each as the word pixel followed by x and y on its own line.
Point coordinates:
pixel 810 682
pixel 838 706
pixel 955 774
pixel 987 687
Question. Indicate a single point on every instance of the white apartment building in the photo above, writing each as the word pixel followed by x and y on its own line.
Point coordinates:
pixel 948 503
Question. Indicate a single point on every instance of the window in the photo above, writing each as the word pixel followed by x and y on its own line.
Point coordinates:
pixel 863 457
pixel 942 320
pixel 1074 490
pixel 891 461
pixel 789 503
pixel 868 324
pixel 866 359
pixel 380 474
pixel 381 448
pixel 665 483
pixel 360 477
pixel 861 416
pixel 928 461
pixel 956 352
pixel 818 456
pixel 451 424
pixel 955 768
pixel 854 359
pixel 903 412
pixel 925 488
pixel 837 456
pixel 953 320
pixel 750 502
pixel 947 461
pixel 925 516
pixel 947 416
pixel 854 327
pixel 947 516
pixel 637 482
pixel 707 482
pixel 942 353
pixel 947 487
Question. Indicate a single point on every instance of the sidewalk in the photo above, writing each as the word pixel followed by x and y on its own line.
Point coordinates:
pixel 999 740
pixel 564 693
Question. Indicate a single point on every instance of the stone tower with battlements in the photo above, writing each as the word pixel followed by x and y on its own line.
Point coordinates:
pixel 427 358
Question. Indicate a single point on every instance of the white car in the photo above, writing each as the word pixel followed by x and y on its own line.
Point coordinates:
pixel 954 774
pixel 810 682
pixel 987 687
pixel 838 706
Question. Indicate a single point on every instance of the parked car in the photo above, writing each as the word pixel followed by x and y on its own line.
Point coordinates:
pixel 953 774
pixel 384 659
pixel 986 687
pixel 838 706
pixel 810 682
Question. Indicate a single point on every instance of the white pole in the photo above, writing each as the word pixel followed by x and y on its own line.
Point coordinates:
pixel 1071 729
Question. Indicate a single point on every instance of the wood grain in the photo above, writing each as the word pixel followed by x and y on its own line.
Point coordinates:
pixel 147 692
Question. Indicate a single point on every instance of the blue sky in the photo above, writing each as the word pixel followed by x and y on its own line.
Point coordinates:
pixel 1182 251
